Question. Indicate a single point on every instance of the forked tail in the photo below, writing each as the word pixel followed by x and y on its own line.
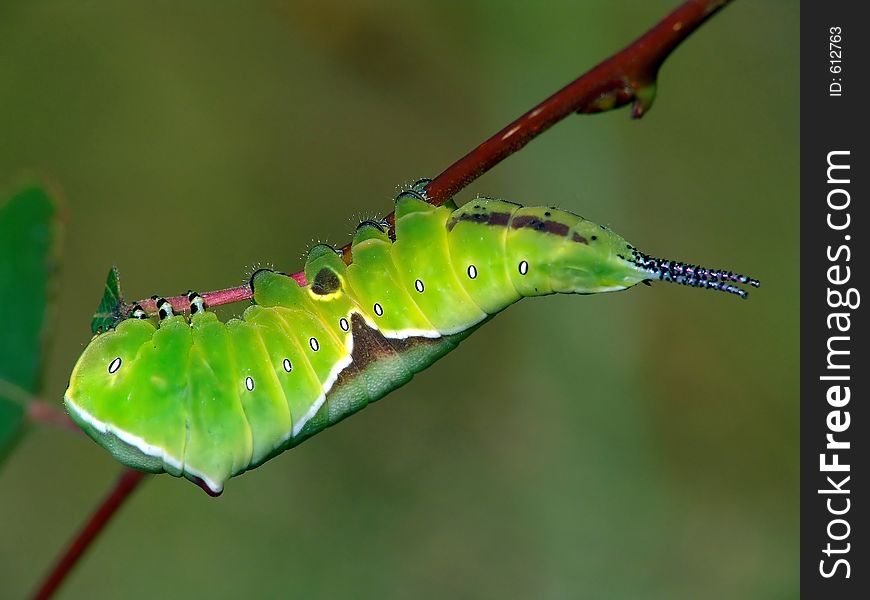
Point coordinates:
pixel 694 275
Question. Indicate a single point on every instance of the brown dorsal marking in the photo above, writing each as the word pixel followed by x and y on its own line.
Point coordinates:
pixel 548 226
pixel 325 282
pixel 498 219
pixel 579 238
pixel 369 344
pixel 370 347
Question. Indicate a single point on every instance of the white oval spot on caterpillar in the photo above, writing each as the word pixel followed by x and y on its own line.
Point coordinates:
pixel 419 285
pixel 249 384
pixel 472 271
pixel 524 267
pixel 315 345
pixel 343 324
pixel 115 365
pixel 287 366
pixel 379 310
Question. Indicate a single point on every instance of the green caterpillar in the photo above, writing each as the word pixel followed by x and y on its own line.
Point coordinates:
pixel 209 400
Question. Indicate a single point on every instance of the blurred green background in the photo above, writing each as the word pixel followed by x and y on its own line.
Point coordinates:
pixel 635 445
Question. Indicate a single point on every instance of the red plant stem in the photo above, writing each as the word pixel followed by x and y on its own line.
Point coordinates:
pixel 622 78
pixel 127 482
pixel 629 76
pixel 36 410
pixel 216 298
pixel 42 412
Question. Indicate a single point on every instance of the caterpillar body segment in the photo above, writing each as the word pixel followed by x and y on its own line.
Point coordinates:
pixel 423 268
pixel 209 400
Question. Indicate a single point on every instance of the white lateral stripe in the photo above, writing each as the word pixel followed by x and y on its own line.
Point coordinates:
pixel 125 436
pixel 402 334
pixel 297 427
pixel 327 385
pixel 147 449
pixel 140 444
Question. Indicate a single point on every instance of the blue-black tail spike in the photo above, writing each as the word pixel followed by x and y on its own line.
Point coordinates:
pixel 694 275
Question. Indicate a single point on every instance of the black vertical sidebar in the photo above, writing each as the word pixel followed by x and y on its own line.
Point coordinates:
pixel 835 367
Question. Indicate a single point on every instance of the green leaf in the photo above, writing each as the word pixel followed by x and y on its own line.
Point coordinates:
pixel 29 238
pixel 110 310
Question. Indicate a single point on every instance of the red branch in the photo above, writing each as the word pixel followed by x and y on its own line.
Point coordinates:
pixel 127 482
pixel 628 76
pixel 39 411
